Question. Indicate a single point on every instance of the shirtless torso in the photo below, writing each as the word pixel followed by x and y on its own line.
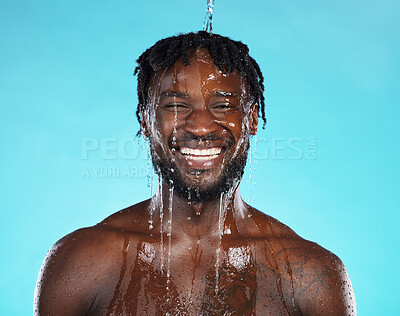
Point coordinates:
pixel 264 268
pixel 196 248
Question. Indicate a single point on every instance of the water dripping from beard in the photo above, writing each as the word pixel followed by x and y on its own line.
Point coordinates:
pixel 231 175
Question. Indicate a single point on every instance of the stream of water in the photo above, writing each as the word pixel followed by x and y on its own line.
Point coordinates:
pixel 208 20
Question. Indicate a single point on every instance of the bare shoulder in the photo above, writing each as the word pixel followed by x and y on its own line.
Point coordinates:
pixel 312 277
pixel 320 280
pixel 73 268
pixel 132 219
pixel 81 263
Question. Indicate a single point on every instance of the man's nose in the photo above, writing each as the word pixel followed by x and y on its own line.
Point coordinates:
pixel 201 122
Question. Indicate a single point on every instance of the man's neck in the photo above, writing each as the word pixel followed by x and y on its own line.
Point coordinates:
pixel 205 218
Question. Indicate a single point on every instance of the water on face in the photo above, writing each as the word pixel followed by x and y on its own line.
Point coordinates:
pixel 149 116
pixel 245 104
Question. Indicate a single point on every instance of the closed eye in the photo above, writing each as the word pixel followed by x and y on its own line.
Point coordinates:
pixel 224 107
pixel 179 107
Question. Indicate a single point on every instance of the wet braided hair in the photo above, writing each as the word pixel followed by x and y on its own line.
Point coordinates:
pixel 228 56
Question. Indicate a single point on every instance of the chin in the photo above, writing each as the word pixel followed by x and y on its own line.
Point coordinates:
pixel 202 188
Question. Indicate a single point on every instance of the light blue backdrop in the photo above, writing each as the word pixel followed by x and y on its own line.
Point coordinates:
pixel 327 162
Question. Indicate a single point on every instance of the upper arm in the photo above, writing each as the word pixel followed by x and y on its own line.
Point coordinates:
pixel 324 287
pixel 56 290
pixel 70 276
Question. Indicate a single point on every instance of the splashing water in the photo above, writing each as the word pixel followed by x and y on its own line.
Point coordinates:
pixel 207 25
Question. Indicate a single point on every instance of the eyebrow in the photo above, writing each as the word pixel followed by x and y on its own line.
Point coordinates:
pixel 174 94
pixel 180 94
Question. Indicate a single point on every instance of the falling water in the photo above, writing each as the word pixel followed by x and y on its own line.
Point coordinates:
pixel 254 165
pixel 252 168
pixel 255 158
pixel 174 133
pixel 207 25
pixel 161 223
pixel 169 234
pixel 245 133
pixel 149 170
pixel 150 178
pixel 220 232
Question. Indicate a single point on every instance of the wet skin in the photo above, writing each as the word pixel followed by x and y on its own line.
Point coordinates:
pixel 120 266
pixel 199 107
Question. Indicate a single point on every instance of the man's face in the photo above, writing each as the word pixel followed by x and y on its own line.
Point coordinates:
pixel 199 124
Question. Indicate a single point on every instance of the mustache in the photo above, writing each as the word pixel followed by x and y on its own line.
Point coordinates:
pixel 188 137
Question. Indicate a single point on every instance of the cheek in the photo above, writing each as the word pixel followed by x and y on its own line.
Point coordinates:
pixel 164 122
pixel 234 123
pixel 168 122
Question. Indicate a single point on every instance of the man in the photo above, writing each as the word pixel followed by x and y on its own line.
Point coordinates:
pixel 195 248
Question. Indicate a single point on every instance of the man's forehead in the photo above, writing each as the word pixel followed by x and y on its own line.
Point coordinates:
pixel 202 55
pixel 201 68
pixel 194 56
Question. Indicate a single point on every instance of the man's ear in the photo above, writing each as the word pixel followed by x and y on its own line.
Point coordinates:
pixel 253 115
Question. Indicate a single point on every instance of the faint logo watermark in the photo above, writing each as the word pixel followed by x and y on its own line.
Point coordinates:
pixel 107 157
pixel 114 172
pixel 286 148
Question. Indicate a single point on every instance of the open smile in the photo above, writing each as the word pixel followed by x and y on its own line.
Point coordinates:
pixel 197 156
pixel 200 154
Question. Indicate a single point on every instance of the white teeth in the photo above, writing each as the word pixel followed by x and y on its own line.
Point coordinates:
pixel 200 157
pixel 201 154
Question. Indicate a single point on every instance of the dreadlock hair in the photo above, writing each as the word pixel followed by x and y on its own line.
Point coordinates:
pixel 228 55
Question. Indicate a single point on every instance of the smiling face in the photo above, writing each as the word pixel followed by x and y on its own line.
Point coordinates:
pixel 199 124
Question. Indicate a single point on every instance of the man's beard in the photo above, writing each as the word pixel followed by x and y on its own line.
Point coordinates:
pixel 196 192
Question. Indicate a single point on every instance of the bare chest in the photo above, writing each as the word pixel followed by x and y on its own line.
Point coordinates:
pixel 199 281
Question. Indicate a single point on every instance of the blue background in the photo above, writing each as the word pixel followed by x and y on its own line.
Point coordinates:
pixel 332 79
